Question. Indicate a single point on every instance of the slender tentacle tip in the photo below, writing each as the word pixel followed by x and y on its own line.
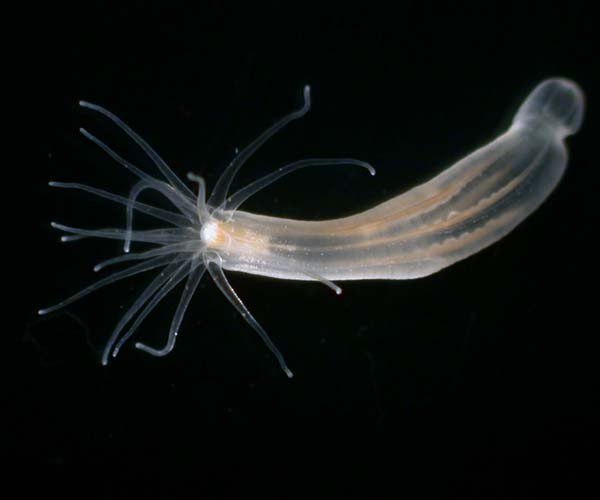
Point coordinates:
pixel 466 208
pixel 307 100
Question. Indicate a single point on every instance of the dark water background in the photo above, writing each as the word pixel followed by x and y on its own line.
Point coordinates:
pixel 478 382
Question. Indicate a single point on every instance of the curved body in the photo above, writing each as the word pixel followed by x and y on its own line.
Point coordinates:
pixel 464 209
pixel 467 207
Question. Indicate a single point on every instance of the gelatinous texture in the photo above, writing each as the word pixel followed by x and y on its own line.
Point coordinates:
pixel 467 207
pixel 464 209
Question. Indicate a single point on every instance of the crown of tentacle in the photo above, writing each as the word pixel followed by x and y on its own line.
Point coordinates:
pixel 184 249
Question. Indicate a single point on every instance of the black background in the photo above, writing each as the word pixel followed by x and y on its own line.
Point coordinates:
pixel 480 381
